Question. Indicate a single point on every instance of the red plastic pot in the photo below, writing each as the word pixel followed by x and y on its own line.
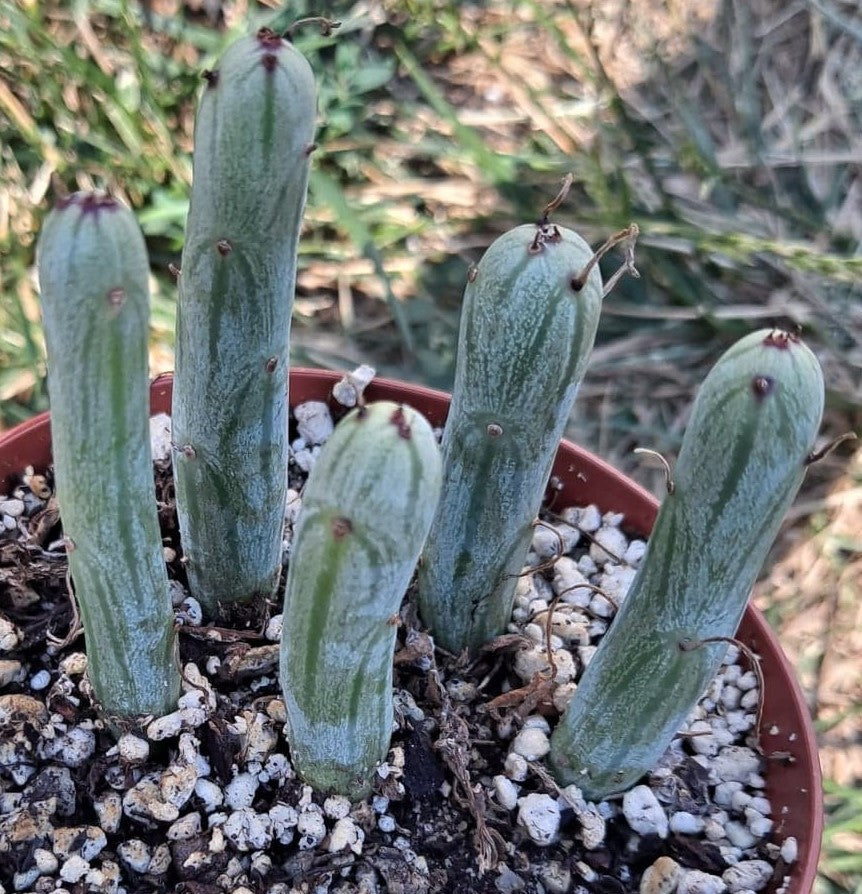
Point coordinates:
pixel 786 731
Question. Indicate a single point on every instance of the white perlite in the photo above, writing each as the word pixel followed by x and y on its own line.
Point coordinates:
pixel 570 584
pixel 46 861
pixel 144 801
pixel 313 421
pixel 684 823
pixel 74 869
pixel 133 749
pixel 12 671
pixel 635 552
pixel 515 767
pixel 532 744
pixel 553 540
pixel 738 835
pixel 185 827
pixel 13 508
pixel 85 841
pixel 540 816
pixel 73 749
pixel 747 875
pixel 507 792
pixel 248 830
pixel 696 882
pixel 346 835
pixel 311 828
pixel 240 791
pixel 273 628
pixel 789 849
pixel 135 854
pixel 109 811
pixel 531 661
pixel 735 763
pixel 165 727
pixel 644 813
pixel 588 518
pixel 336 807
pixel 591 823
pixel 160 437
pixel 608 546
pixel 284 819
pixel 348 390
pixel 38 681
pixel 210 794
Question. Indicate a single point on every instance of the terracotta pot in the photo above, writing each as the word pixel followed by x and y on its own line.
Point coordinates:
pixel 786 731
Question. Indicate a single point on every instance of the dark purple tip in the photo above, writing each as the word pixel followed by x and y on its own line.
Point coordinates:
pixel 224 247
pixel 271 364
pixel 546 234
pixel 399 420
pixel 778 338
pixel 89 202
pixel 269 40
pixel 341 527
pixel 762 386
pixel 537 244
pixel 309 149
pixel 269 61
pixel 211 77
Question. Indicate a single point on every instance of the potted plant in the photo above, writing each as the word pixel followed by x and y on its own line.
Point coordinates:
pixel 368 506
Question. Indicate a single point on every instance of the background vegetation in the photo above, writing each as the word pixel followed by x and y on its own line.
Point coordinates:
pixel 729 130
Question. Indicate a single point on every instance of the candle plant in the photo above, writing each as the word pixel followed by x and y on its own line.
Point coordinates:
pixel 531 311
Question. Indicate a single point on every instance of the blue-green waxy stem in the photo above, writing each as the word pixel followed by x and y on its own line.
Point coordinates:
pixel 93 275
pixel 253 138
pixel 741 463
pixel 527 329
pixel 365 513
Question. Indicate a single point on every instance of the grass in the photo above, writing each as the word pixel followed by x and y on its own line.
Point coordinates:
pixel 842 856
pixel 728 131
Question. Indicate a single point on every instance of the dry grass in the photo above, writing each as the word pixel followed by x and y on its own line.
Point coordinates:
pixel 812 597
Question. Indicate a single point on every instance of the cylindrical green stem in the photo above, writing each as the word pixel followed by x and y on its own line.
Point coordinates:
pixel 527 329
pixel 93 275
pixel 253 138
pixel 741 463
pixel 366 511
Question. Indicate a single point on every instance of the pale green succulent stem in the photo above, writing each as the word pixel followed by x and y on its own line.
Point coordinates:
pixel 253 138
pixel 528 326
pixel 366 510
pixel 93 275
pixel 742 460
